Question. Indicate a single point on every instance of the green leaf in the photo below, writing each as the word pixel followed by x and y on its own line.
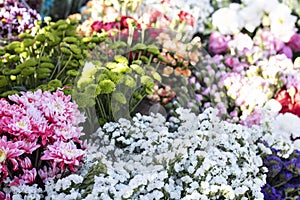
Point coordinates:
pixel 28 42
pixel 31 62
pixel 156 76
pixel 13 45
pixel 70 40
pixel 139 47
pixel 75 49
pixel 25 36
pixel 47 65
pixel 153 49
pixel 28 71
pixel 41 37
pixel 137 69
pixel 55 83
pixel 72 72
pixel 3 81
pixel 148 81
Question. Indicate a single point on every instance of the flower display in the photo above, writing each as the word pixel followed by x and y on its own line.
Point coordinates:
pixel 142 99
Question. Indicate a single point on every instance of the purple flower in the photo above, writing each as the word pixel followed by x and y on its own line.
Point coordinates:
pixel 218 43
pixel 271 193
pixel 15 18
pixel 294 42
pixel 287 51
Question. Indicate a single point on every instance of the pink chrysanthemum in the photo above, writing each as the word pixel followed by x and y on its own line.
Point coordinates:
pixel 66 132
pixel 40 130
pixel 28 177
pixel 62 154
pixel 9 151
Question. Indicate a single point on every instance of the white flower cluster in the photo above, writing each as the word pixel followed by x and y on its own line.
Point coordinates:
pixel 25 192
pixel 204 159
pixel 251 14
pixel 279 128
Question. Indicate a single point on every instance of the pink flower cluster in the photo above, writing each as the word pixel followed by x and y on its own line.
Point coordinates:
pixel 220 44
pixel 39 134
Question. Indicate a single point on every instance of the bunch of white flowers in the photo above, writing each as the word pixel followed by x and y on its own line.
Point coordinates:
pixel 205 158
pixel 251 14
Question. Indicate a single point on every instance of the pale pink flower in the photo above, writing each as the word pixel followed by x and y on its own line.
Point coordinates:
pixel 20 126
pixel 8 115
pixel 66 132
pixel 58 107
pixel 62 154
pixel 27 98
pixel 47 172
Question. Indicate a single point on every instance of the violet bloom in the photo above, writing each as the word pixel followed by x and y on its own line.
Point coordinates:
pixel 271 193
pixel 218 43
pixel 294 42
pixel 287 51
pixel 15 18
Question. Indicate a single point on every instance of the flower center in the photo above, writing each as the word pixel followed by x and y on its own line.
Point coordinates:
pixel 21 124
pixel 2 156
pixel 281 21
pixel 58 107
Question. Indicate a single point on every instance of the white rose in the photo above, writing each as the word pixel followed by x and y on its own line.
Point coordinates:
pixel 227 20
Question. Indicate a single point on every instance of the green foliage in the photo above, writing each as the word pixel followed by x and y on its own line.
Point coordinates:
pixel 51 52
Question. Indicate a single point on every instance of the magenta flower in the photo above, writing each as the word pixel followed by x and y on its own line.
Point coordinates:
pixel 28 177
pixel 9 151
pixel 62 154
pixel 287 51
pixel 4 196
pixel 25 163
pixel 218 43
pixel 294 42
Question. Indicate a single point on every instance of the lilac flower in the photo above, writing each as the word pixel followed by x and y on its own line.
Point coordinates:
pixel 15 18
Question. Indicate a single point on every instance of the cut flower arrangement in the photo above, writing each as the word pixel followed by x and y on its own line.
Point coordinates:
pixel 243 145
